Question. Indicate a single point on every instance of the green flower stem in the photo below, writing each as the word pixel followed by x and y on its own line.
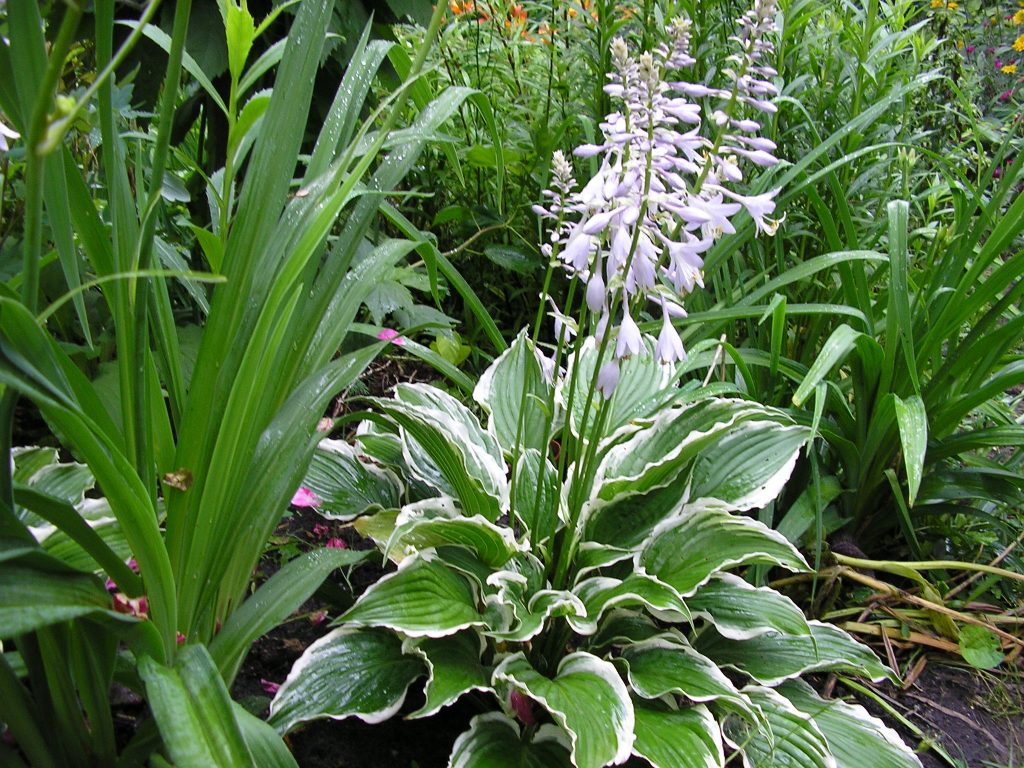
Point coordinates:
pixel 900 568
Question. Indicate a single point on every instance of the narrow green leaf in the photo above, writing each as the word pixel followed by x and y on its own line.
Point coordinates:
pixel 913 425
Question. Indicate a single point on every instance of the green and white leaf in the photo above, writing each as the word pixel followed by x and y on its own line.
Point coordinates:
pixel 685 553
pixel 453 668
pixel 439 522
pixel 526 604
pixel 514 386
pixel 629 519
pixel 667 664
pixel 423 598
pixel 537 500
pixel 601 593
pixel 791 739
pixel 587 698
pixel 748 467
pixel 494 741
pixel 913 426
pixel 677 738
pixel 773 658
pixel 855 738
pixel 349 672
pixel 347 486
pixel 740 611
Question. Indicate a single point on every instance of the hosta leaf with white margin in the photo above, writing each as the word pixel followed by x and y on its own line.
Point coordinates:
pixel 423 598
pixel 445 446
pixel 654 456
pixel 855 738
pixel 41 470
pixel 437 522
pixel 349 672
pixel 740 611
pixel 537 498
pixel 677 738
pixel 627 520
pixel 788 739
pixel 380 444
pixel 684 553
pixel 523 599
pixel 644 385
pixel 624 626
pixel 587 698
pixel 667 664
pixel 494 741
pixel 515 384
pixel 747 468
pixel 346 486
pixel 453 668
pixel 592 556
pixel 770 659
pixel 601 593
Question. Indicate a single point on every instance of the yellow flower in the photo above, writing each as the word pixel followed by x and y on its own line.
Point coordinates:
pixel 952 6
pixel 1009 69
pixel 1018 17
pixel 936 3
pixel 1018 44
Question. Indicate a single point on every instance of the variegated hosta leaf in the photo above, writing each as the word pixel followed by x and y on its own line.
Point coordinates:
pixel 622 627
pixel 655 455
pixel 770 659
pixel 740 611
pixel 792 739
pixel 677 738
pixel 667 664
pixel 854 737
pixel 627 520
pixel 378 526
pixel 527 602
pixel 644 385
pixel 587 698
pixel 445 446
pixel 423 598
pixel 40 469
pixel 747 468
pixel 438 522
pixel 514 387
pixel 346 486
pixel 349 672
pixel 592 556
pixel 493 741
pixel 685 553
pixel 453 668
pixel 537 496
pixel 600 593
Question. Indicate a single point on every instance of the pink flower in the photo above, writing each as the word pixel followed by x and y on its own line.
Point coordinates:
pixel 320 530
pixel 1005 95
pixel 269 687
pixel 317 617
pixel 390 334
pixel 179 638
pixel 336 543
pixel 999 63
pixel 969 49
pixel 305 498
pixel 997 173
pixel 523 708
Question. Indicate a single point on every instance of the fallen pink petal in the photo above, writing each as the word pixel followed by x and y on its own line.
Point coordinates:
pixel 336 544
pixel 390 334
pixel 305 498
pixel 269 687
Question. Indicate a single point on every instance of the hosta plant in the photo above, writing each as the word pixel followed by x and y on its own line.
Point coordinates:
pixel 573 559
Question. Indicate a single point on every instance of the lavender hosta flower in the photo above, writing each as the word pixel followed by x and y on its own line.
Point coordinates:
pixel 629 341
pixel 669 347
pixel 608 378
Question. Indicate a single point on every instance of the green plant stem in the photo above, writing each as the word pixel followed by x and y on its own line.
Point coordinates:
pixel 899 568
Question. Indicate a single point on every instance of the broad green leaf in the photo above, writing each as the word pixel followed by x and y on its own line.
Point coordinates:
pixel 913 425
pixel 685 553
pixel 345 486
pixel 513 259
pixel 273 602
pixel 348 672
pixel 677 738
pixel 629 519
pixel 791 739
pixel 748 467
pixel 193 710
pixel 668 665
pixel 623 626
pixel 523 603
pixel 602 593
pixel 423 598
pixel 514 389
pixel 377 527
pixel 980 647
pixel 438 522
pixel 536 496
pixel 453 668
pixel 587 698
pixel 802 514
pixel 855 738
pixel 771 659
pixel 658 451
pixel 494 741
pixel 266 746
pixel 740 611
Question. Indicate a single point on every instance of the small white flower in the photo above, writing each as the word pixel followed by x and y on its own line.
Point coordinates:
pixel 629 341
pixel 669 348
pixel 608 378
pixel 5 134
